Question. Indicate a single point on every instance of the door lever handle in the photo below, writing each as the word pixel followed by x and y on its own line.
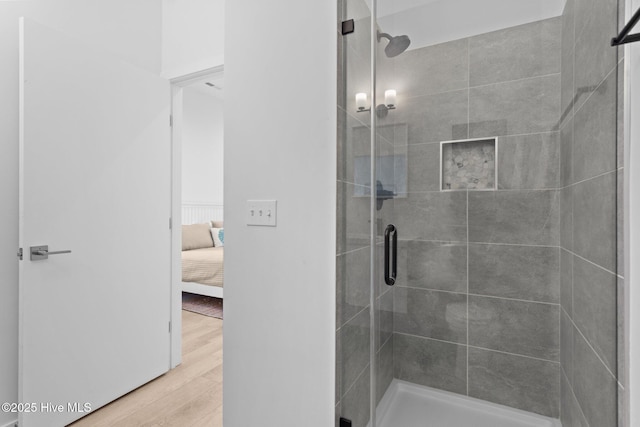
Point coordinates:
pixel 39 253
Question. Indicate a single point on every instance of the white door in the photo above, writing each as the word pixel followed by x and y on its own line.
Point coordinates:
pixel 95 180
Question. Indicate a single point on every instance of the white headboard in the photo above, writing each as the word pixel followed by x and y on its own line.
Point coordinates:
pixel 197 213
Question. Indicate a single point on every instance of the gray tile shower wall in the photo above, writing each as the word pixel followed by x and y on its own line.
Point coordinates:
pixel 477 301
pixel 590 169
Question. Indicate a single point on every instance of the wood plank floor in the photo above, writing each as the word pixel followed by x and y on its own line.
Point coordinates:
pixel 190 395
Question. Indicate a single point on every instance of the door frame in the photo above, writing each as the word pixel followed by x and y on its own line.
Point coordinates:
pixel 177 89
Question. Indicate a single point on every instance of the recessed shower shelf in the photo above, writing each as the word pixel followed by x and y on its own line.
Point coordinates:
pixel 469 164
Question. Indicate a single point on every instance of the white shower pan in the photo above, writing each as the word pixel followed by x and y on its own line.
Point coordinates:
pixel 410 405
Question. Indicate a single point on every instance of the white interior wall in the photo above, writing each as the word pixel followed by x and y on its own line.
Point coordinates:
pixel 202 148
pixel 280 137
pixel 131 30
pixel 193 36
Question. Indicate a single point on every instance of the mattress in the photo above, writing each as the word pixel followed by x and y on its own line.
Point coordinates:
pixel 203 266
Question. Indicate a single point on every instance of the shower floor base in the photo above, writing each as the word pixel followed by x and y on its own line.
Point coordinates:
pixel 409 405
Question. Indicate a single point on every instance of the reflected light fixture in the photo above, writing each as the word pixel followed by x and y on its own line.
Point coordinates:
pixel 390 103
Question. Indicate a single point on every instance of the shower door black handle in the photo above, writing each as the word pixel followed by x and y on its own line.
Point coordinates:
pixel 390 276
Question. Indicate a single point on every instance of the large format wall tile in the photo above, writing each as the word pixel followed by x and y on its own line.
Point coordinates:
pixel 385 318
pixel 433 69
pixel 566 281
pixel 432 216
pixel 594 220
pixel 520 217
pixel 353 273
pixel 571 414
pixel 519 272
pixel 357 145
pixel 620 237
pixel 566 218
pixel 566 153
pixel 623 364
pixel 514 53
pixel 354 346
pixel 566 345
pixel 355 405
pixel 529 161
pixel 423 164
pixel 526 328
pixel 594 311
pixel 433 118
pixel 620 111
pixel 594 149
pixel 431 314
pixel 352 217
pixel 567 54
pixel 594 386
pixel 516 381
pixel 513 108
pixel 432 265
pixel 596 21
pixel 384 369
pixel 432 363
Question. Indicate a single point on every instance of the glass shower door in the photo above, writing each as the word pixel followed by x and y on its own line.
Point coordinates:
pixel 354 247
pixel 478 176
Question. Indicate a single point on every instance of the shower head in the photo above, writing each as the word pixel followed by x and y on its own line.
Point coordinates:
pixel 397 44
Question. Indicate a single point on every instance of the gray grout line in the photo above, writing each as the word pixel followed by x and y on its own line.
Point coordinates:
pixel 487 191
pixel 592 263
pixel 514 354
pixel 462 242
pixel 591 178
pixel 366 368
pixel 366 125
pixel 478 295
pixel 590 346
pixel 479 348
pixel 351 318
pixel 516 244
pixel 515 299
pixel 469 87
pixel 343 181
pixel 485 137
pixel 467 365
pixel 385 343
pixel 515 81
pixel 352 251
pixel 468 106
pixel 573 395
pixel 614 70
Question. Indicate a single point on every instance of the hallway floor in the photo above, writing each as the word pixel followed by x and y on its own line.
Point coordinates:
pixel 189 395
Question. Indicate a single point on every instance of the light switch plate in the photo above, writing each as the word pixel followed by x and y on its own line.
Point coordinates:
pixel 262 213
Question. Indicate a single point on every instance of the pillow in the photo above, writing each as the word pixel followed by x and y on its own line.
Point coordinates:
pixel 196 236
pixel 217 224
pixel 218 236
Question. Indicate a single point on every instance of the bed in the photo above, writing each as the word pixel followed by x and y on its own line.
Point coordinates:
pixel 202 261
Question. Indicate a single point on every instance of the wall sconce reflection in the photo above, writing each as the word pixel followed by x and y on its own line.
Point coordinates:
pixel 390 103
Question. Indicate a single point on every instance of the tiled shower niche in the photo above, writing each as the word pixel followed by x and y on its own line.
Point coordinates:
pixel 468 164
